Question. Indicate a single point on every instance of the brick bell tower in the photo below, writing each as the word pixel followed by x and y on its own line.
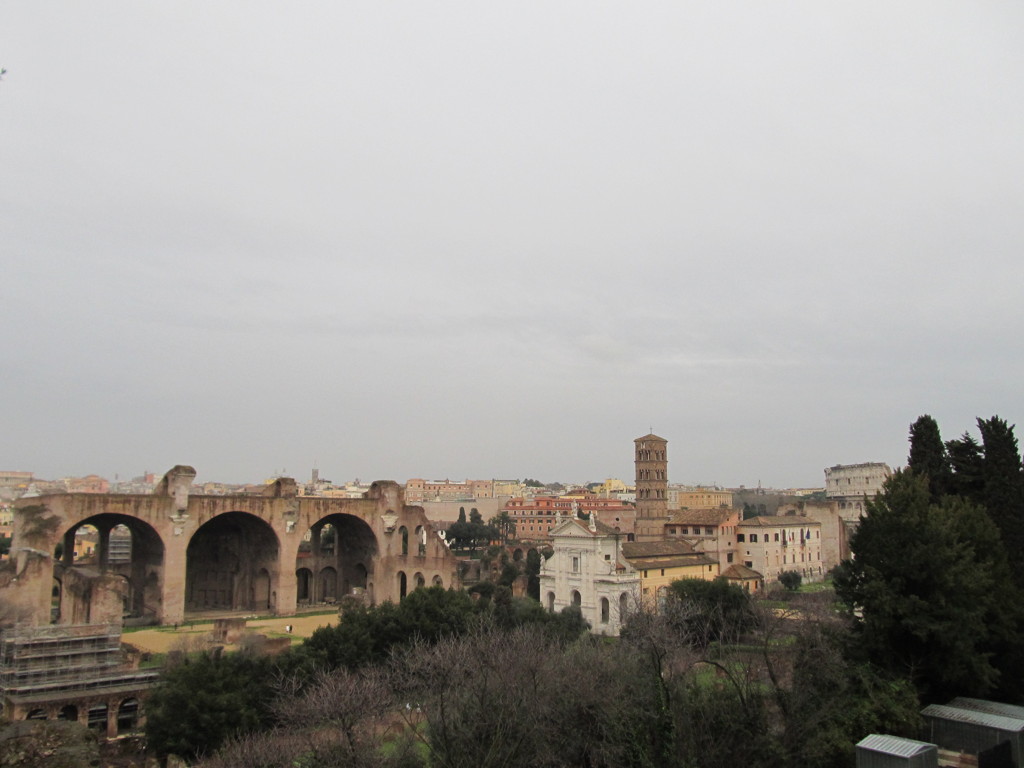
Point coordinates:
pixel 651 487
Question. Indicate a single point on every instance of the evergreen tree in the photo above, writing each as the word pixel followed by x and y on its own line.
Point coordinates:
pixel 928 456
pixel 965 461
pixel 204 700
pixel 930 590
pixel 533 561
pixel 1002 487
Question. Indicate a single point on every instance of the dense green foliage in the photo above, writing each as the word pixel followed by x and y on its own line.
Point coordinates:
pixel 236 691
pixel 471 534
pixel 367 635
pixel 709 611
pixel 1003 488
pixel 533 563
pixel 935 582
pixel 202 701
pixel 510 691
pixel 928 456
pixel 791 580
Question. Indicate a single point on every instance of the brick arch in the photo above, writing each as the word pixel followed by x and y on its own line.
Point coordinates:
pixel 232 563
pixel 130 589
pixel 351 556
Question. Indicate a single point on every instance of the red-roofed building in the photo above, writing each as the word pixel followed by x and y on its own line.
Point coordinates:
pixel 535 517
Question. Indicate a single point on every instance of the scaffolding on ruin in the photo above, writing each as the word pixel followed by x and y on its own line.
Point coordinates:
pixel 51 662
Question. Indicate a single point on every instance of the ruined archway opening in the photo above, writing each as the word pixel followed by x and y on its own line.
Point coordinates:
pixel 303 585
pixel 128 716
pixel 232 565
pixel 97 718
pixel 338 554
pixel 109 569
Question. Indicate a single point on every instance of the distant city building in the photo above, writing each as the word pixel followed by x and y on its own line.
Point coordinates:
pixel 681 497
pixel 87 484
pixel 418 489
pixel 14 484
pixel 847 488
pixel 507 488
pixel 771 545
pixel 659 563
pixel 535 517
pixel 848 484
pixel 712 531
pixel 612 486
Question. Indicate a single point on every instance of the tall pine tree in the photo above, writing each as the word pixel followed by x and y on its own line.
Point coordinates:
pixel 930 591
pixel 928 456
pixel 1002 489
pixel 965 460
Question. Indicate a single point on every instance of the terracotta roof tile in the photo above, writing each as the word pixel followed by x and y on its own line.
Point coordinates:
pixel 659 548
pixel 741 572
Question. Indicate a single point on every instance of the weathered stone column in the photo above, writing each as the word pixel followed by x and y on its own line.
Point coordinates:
pixel 175 485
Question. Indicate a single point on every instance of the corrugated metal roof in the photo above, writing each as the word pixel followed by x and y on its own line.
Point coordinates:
pixel 992 707
pixel 1001 722
pixel 894 745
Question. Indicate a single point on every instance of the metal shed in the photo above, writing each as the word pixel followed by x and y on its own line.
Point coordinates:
pixel 878 751
pixel 973 732
pixel 992 707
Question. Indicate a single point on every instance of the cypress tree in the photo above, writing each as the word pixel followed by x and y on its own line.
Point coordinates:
pixel 965 461
pixel 928 456
pixel 1003 487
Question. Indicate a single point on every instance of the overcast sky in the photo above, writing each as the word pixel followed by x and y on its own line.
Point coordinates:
pixel 486 239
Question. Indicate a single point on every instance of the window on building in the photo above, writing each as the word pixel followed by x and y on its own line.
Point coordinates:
pixel 662 571
pixel 776 537
pixel 575 565
pixel 753 538
pixel 728 557
pixel 740 537
pixel 748 563
pixel 605 611
pixel 709 531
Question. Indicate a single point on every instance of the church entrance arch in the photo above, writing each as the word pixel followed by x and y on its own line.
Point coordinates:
pixel 232 565
pixel 340 551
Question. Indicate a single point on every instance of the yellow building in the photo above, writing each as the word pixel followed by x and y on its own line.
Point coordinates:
pixel 611 486
pixel 659 563
pixel 507 488
pixel 699 498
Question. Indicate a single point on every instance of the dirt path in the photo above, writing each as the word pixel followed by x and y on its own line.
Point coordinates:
pixel 163 639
